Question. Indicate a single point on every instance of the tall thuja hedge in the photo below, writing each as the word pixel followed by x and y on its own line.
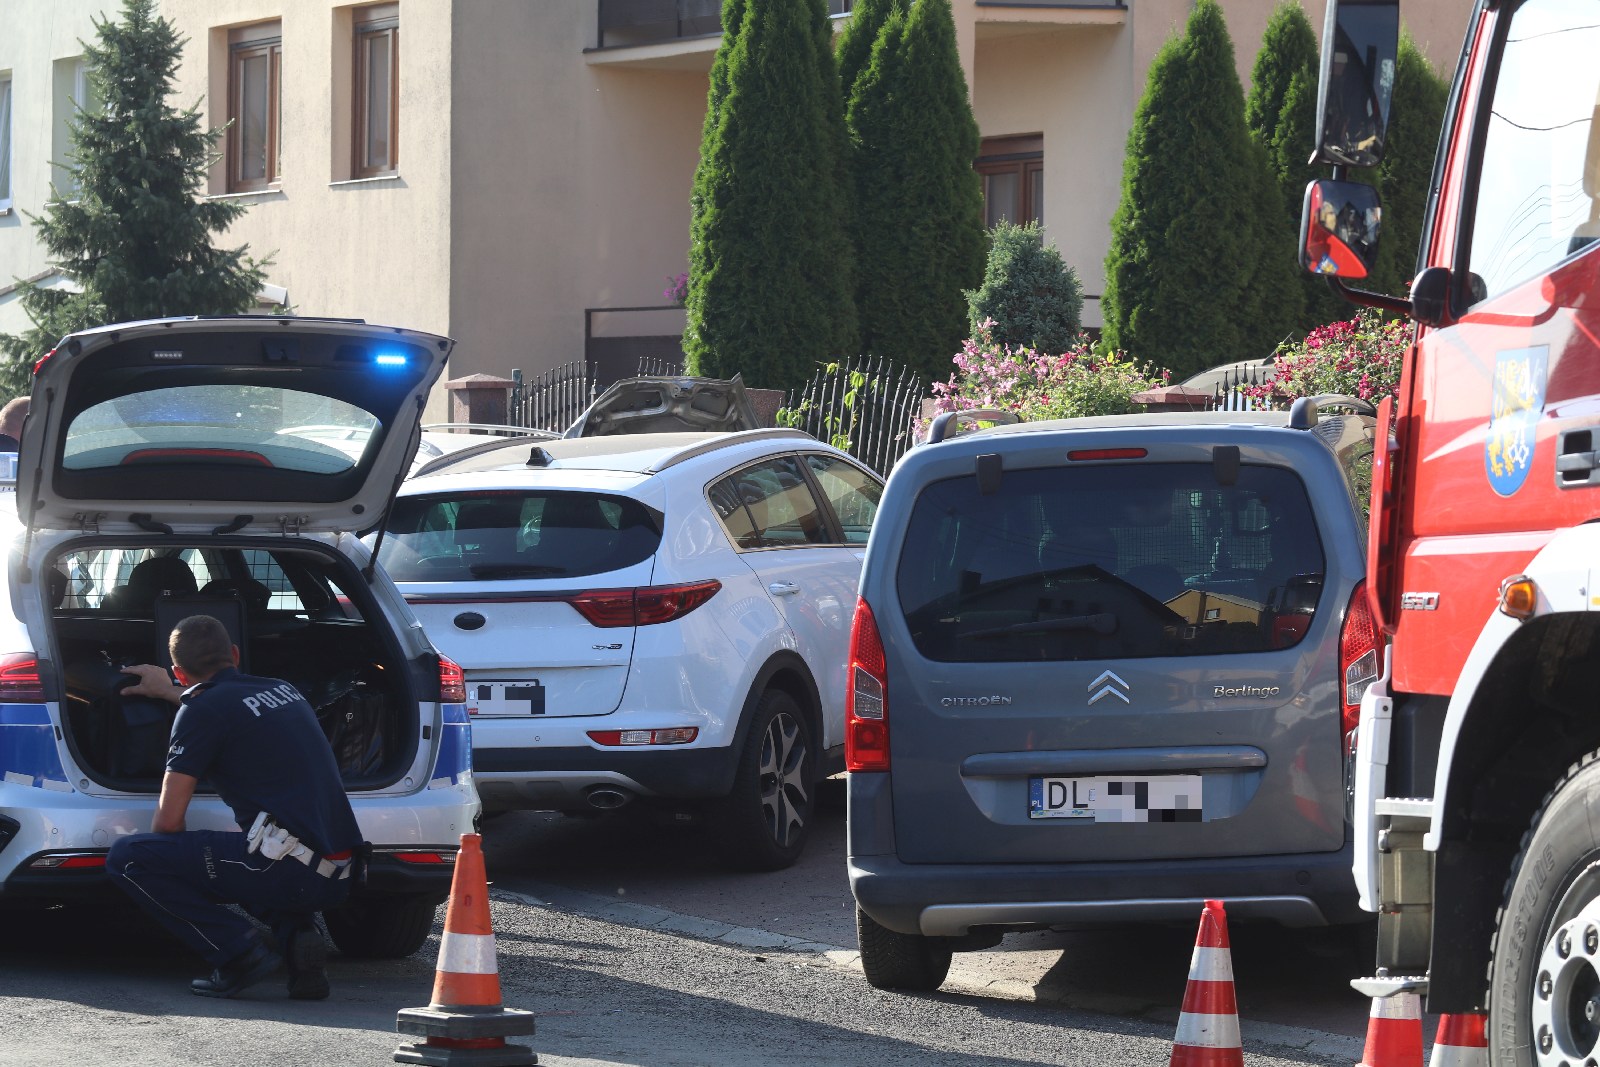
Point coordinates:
pixel 135 235
pixel 918 204
pixel 867 18
pixel 1415 117
pixel 770 263
pixel 1281 112
pixel 1200 269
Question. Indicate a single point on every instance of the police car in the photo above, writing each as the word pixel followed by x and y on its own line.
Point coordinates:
pixel 162 477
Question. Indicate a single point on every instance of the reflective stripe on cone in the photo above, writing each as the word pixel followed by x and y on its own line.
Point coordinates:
pixel 1208 1026
pixel 1460 1042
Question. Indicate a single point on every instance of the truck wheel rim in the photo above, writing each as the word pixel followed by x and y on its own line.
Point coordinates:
pixel 782 779
pixel 1566 993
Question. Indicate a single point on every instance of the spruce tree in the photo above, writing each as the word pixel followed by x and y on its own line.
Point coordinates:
pixel 867 18
pixel 1416 114
pixel 1028 292
pixel 1189 257
pixel 135 237
pixel 918 205
pixel 770 264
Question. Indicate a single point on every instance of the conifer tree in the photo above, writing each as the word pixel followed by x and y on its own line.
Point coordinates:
pixel 854 51
pixel 135 235
pixel 1192 277
pixel 1032 297
pixel 1416 114
pixel 918 205
pixel 770 263
pixel 1278 111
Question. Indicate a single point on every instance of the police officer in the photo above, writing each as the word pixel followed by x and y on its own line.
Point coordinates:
pixel 257 743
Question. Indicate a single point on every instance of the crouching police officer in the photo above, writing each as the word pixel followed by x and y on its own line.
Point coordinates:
pixel 257 742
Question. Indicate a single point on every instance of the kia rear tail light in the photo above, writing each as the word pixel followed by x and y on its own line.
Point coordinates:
pixel 452 682
pixel 1359 645
pixel 19 679
pixel 866 706
pixel 648 606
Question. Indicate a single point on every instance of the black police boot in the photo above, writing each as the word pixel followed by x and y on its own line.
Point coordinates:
pixel 239 973
pixel 306 954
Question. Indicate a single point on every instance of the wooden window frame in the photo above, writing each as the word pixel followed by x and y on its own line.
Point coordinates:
pixel 382 20
pixel 252 45
pixel 1022 156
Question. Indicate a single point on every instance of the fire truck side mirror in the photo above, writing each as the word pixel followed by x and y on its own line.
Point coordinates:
pixel 1339 226
pixel 1360 41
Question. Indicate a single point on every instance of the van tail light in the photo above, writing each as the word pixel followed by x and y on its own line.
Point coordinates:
pixel 866 702
pixel 1359 643
pixel 642 607
pixel 19 679
pixel 452 682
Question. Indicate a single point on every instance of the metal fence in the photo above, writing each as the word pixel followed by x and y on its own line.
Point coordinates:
pixel 552 400
pixel 868 405
pixel 1235 392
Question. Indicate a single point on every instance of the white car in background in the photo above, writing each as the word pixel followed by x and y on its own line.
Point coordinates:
pixel 656 617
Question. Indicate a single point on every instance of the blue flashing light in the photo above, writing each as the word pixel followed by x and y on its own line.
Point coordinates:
pixel 389 359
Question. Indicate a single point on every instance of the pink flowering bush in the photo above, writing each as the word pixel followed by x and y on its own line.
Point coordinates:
pixel 677 289
pixel 1359 357
pixel 1036 386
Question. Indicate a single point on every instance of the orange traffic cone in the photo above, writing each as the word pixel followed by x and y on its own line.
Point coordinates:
pixel 1460 1042
pixel 1394 1032
pixel 1208 1028
pixel 466 1023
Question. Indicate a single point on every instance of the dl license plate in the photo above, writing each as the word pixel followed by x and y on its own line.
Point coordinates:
pixel 1123 798
pixel 522 697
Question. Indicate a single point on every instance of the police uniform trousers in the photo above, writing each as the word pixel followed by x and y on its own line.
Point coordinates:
pixel 184 880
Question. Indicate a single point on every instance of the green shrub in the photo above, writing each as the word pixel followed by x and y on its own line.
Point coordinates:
pixel 1029 294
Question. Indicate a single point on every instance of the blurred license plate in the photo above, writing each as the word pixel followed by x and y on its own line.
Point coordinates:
pixel 522 697
pixel 1120 798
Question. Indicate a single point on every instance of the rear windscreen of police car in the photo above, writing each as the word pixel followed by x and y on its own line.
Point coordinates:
pixel 1110 561
pixel 495 535
pixel 225 425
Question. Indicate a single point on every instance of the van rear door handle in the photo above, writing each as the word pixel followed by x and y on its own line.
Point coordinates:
pixel 783 588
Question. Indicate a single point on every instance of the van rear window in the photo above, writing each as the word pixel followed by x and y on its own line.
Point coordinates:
pixel 499 535
pixel 1110 562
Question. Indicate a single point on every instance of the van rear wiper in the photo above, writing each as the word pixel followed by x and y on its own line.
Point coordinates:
pixel 1102 623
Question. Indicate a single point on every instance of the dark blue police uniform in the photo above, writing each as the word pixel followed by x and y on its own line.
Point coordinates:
pixel 258 744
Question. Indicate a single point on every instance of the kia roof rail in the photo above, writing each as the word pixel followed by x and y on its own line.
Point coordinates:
pixel 1305 411
pixel 728 440
pixel 940 429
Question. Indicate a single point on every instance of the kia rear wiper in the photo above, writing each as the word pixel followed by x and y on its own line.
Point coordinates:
pixel 514 570
pixel 1102 623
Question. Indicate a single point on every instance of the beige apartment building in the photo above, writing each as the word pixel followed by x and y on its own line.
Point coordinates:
pixel 512 172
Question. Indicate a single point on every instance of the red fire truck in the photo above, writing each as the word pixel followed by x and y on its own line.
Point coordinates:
pixel 1474 766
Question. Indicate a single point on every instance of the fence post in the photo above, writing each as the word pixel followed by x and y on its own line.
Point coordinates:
pixel 480 398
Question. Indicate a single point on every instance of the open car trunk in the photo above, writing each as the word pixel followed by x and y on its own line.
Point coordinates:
pixel 297 613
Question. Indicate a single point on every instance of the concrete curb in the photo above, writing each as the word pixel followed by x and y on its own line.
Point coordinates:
pixel 834 957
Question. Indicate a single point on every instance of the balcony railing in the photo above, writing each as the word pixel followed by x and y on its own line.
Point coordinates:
pixel 624 23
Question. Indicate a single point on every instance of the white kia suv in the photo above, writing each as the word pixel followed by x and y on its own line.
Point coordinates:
pixel 646 617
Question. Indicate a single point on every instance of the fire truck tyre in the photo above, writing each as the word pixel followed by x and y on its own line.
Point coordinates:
pixel 900 961
pixel 765 821
pixel 1544 972
pixel 382 928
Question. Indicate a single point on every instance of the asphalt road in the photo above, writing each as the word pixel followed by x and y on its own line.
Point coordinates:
pixel 633 947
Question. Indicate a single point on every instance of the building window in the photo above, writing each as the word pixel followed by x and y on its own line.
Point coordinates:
pixel 376 92
pixel 255 77
pixel 5 141
pixel 1013 179
pixel 71 90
